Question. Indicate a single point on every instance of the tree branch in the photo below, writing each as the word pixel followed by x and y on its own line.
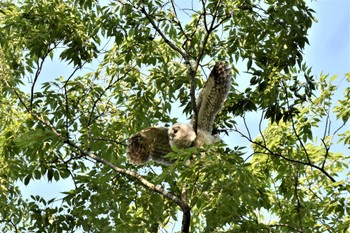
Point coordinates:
pixel 208 30
pixel 326 153
pixel 37 73
pixel 270 152
pixel 166 40
pixel 185 55
pixel 204 15
pixel 186 211
pixel 186 219
pixel 122 143
pixel 129 173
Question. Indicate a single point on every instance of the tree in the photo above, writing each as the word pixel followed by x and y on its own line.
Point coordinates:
pixel 146 57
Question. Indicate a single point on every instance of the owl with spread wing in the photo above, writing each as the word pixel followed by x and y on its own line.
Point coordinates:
pixel 154 143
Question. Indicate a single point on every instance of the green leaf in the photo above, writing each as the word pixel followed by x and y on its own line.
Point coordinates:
pixel 27 179
pixel 50 173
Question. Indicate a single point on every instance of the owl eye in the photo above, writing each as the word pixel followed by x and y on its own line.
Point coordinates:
pixel 176 130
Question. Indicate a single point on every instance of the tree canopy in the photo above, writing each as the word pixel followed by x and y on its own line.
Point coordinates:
pixel 132 64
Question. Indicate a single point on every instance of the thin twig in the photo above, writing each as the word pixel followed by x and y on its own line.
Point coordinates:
pixel 178 22
pixel 327 127
pixel 11 223
pixel 37 73
pixel 60 157
pixel 66 98
pixel 205 15
pixel 340 127
pixel 293 125
pixel 246 127
pixel 326 153
pixel 260 131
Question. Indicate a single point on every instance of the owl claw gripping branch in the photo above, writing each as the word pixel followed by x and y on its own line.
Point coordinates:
pixel 154 142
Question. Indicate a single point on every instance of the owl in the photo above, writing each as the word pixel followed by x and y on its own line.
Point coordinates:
pixel 154 142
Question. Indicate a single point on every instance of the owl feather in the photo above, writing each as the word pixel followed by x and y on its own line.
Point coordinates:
pixel 213 95
pixel 149 144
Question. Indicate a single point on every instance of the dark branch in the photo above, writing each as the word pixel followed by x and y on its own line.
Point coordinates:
pixel 38 71
pixel 66 163
pixel 122 143
pixel 186 219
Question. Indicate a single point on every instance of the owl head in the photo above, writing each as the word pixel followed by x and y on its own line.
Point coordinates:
pixel 181 135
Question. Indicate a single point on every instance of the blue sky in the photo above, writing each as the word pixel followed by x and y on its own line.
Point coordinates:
pixel 329 52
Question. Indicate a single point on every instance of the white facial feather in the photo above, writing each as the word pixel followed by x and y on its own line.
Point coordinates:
pixel 181 135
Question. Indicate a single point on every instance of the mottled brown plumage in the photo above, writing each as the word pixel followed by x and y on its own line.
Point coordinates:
pixel 213 95
pixel 151 143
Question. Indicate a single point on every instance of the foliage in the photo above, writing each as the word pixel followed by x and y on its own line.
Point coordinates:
pixel 147 57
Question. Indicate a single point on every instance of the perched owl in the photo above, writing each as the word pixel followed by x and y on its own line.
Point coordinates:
pixel 155 142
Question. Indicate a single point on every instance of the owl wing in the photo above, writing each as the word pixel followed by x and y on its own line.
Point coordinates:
pixel 149 144
pixel 213 95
